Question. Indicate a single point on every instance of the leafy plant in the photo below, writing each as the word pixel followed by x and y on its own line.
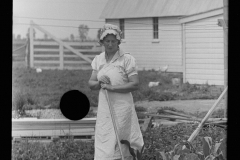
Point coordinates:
pixel 161 96
pixel 158 142
pixel 140 109
pixel 140 115
pixel 184 151
pixel 21 103
pixel 66 149
pixel 187 87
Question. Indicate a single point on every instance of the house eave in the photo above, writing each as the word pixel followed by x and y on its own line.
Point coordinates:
pixel 202 15
pixel 174 16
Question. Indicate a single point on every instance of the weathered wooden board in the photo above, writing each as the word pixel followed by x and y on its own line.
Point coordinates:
pixel 62 132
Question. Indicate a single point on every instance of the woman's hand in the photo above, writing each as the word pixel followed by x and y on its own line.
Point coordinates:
pixel 93 82
pixel 131 86
pixel 104 79
pixel 106 86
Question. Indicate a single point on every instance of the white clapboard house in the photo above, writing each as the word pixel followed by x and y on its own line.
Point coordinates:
pixel 183 34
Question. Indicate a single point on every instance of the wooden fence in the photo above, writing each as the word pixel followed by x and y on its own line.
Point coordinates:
pixel 19 50
pixel 51 55
pixel 57 54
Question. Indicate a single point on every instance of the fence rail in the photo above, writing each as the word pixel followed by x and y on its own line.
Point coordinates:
pixel 55 54
pixel 51 55
pixel 19 50
pixel 84 51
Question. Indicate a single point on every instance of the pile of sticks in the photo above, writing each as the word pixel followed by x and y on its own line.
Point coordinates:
pixel 185 118
pixel 222 122
pixel 181 118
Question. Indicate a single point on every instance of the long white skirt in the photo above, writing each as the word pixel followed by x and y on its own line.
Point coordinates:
pixel 106 146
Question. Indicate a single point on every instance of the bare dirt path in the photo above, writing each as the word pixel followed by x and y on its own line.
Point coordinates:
pixel 186 105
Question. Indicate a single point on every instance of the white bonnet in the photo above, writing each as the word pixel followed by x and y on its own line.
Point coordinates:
pixel 110 29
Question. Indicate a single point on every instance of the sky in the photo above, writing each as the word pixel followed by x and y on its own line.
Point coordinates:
pixel 59 17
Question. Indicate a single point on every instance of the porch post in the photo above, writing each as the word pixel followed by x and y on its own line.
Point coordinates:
pixel 31 44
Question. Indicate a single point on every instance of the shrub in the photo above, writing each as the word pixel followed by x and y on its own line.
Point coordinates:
pixel 22 102
pixel 166 79
pixel 140 109
pixel 187 87
pixel 141 115
pixel 19 101
pixel 162 96
pixel 30 100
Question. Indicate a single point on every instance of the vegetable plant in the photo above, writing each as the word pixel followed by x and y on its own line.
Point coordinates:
pixel 185 151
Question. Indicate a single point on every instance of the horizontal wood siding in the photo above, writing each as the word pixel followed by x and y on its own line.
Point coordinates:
pixel 150 54
pixel 205 51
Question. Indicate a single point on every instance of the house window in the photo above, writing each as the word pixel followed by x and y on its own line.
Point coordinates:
pixel 155 28
pixel 121 22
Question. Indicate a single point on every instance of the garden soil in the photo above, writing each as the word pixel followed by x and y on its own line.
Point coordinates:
pixel 191 106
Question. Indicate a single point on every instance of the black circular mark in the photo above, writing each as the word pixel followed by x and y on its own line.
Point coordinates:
pixel 74 105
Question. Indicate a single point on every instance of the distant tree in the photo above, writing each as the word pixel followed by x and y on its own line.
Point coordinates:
pixel 99 34
pixel 83 32
pixel 28 31
pixel 72 37
pixel 18 37
pixel 45 36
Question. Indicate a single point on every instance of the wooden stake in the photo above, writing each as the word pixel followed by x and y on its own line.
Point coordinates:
pixel 225 18
pixel 61 57
pixel 179 114
pixel 195 133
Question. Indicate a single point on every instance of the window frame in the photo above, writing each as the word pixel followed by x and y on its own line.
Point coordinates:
pixel 122 27
pixel 155 28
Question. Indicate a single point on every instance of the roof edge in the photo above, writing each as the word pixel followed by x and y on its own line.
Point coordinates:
pixel 201 15
pixel 178 16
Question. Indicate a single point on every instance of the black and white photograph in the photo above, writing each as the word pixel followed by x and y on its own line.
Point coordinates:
pixel 119 79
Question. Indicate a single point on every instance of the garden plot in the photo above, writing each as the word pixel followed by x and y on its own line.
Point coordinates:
pixel 159 141
pixel 42 91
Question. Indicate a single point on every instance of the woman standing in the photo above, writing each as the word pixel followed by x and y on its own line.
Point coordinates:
pixel 115 71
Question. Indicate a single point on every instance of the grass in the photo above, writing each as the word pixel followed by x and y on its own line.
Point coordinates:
pixel 50 85
pixel 37 90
